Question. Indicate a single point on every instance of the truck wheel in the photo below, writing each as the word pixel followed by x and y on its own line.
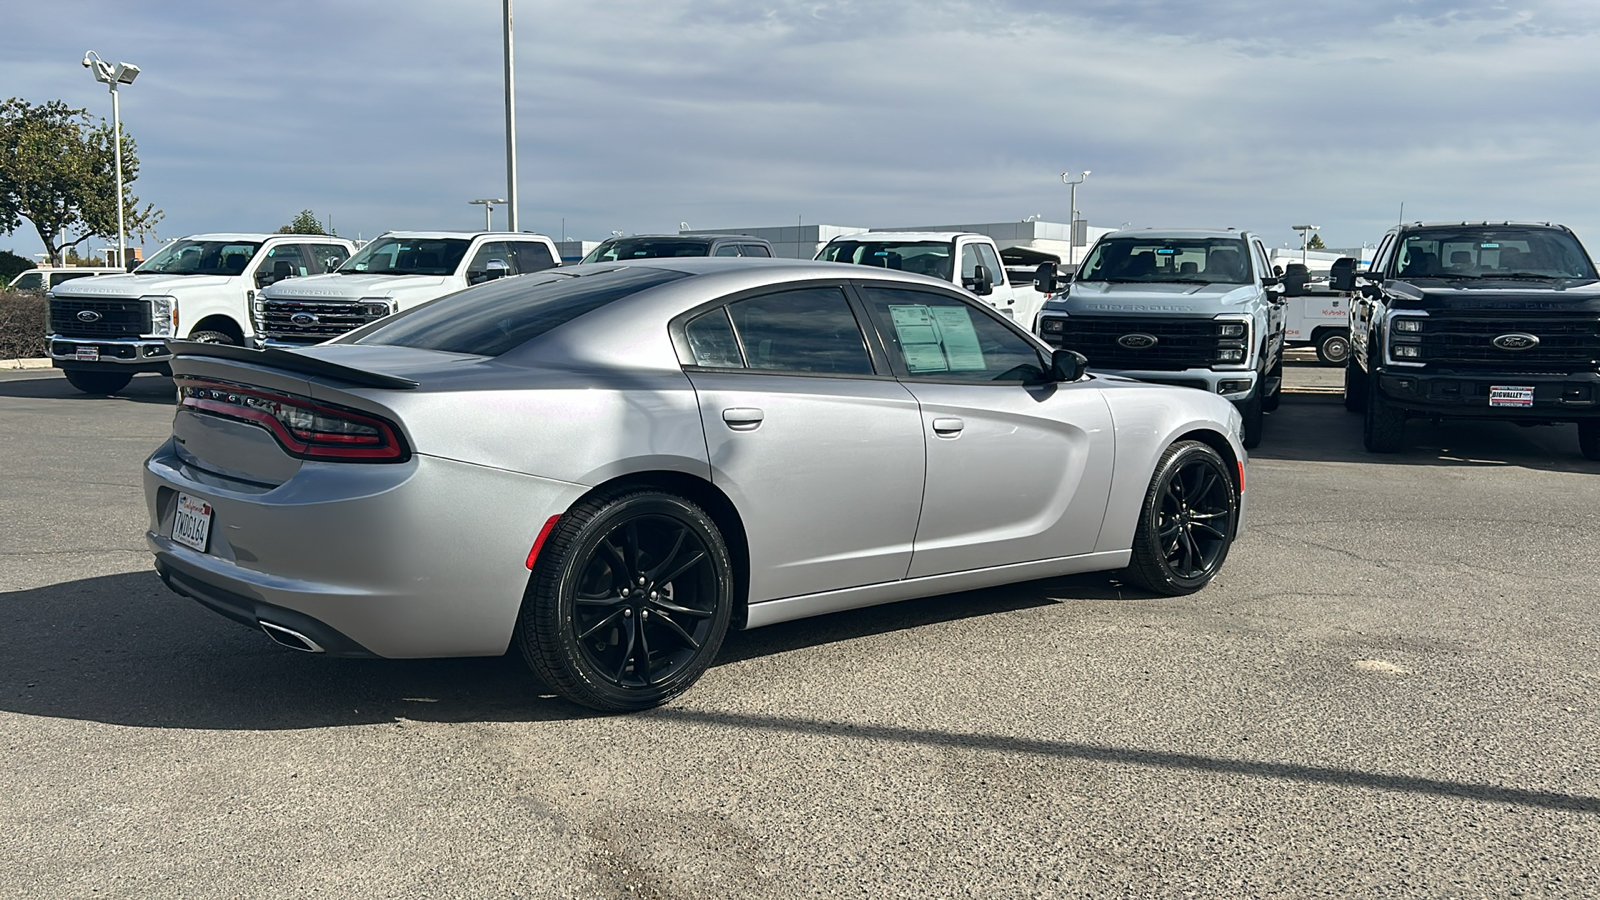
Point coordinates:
pixel 629 600
pixel 97 382
pixel 211 337
pixel 1384 429
pixel 1270 402
pixel 1355 386
pixel 1187 522
pixel 1333 348
pixel 1589 438
pixel 1251 409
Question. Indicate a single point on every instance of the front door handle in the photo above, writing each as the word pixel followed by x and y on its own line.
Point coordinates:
pixel 948 427
pixel 743 418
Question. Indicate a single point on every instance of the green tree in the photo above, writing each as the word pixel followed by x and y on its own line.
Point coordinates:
pixel 1316 243
pixel 304 223
pixel 12 265
pixel 57 170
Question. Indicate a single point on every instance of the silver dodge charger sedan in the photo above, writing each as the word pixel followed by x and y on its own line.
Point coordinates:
pixel 611 465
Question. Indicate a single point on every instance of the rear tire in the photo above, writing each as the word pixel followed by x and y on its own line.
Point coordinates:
pixel 1333 347
pixel 1384 428
pixel 1251 410
pixel 1589 438
pixel 97 382
pixel 1355 386
pixel 1270 402
pixel 628 602
pixel 213 337
pixel 1187 523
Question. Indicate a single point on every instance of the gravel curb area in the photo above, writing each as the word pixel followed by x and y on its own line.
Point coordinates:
pixel 37 363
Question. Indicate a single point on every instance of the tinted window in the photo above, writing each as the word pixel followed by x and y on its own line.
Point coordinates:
pixel 942 338
pixel 620 249
pixel 59 277
pixel 1198 260
pixel 930 258
pixel 727 250
pixel 531 256
pixel 30 281
pixel 810 330
pixel 712 341
pixel 498 251
pixel 1490 253
pixel 329 256
pixel 755 250
pixel 496 317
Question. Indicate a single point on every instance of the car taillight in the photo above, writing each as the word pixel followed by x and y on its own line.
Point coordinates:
pixel 307 428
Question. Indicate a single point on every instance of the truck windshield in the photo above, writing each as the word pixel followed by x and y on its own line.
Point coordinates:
pixel 623 249
pixel 407 256
pixel 1492 252
pixel 201 258
pixel 922 257
pixel 1220 260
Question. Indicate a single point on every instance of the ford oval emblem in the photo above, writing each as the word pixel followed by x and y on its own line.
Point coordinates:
pixel 89 315
pixel 303 319
pixel 1516 341
pixel 1138 341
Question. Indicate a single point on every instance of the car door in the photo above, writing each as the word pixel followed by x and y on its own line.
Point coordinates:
pixel 1018 467
pixel 817 444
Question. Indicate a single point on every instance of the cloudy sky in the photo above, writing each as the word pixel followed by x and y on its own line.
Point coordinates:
pixel 636 116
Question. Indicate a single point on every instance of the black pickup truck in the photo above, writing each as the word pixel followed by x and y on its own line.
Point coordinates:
pixel 1474 320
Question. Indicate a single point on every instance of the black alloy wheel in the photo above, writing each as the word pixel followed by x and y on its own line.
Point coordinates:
pixel 97 382
pixel 1187 523
pixel 629 601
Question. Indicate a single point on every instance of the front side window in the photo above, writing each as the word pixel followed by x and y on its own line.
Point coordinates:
pixel 530 256
pixel 407 256
pixel 806 330
pixel 201 258
pixel 293 261
pixel 496 251
pixel 932 258
pixel 29 281
pixel 329 256
pixel 943 338
pixel 1218 260
pixel 1492 252
pixel 494 318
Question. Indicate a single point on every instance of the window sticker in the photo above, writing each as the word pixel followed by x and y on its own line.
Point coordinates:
pixel 937 339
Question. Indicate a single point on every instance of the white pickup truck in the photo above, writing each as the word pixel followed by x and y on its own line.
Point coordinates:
pixel 963 258
pixel 105 329
pixel 397 270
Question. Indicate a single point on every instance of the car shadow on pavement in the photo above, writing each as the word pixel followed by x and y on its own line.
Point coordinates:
pixel 50 384
pixel 124 650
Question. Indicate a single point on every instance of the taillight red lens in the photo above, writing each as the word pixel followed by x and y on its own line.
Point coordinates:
pixel 307 428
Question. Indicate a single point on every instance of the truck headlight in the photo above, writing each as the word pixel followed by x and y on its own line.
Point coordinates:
pixel 1053 326
pixel 378 307
pixel 1408 326
pixel 163 315
pixel 1233 341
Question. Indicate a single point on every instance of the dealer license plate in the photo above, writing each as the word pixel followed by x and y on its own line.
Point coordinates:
pixel 191 526
pixel 1510 396
pixel 88 353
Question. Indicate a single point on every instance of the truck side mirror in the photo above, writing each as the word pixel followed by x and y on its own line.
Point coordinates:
pixel 981 282
pixel 1342 274
pixel 1048 279
pixel 496 268
pixel 1068 365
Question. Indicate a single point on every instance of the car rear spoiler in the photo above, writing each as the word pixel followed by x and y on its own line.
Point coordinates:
pixel 290 361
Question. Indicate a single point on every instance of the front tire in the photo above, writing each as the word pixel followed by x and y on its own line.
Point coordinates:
pixel 1355 386
pixel 1333 348
pixel 1270 402
pixel 213 337
pixel 1589 438
pixel 1254 420
pixel 629 600
pixel 1187 523
pixel 97 382
pixel 1384 428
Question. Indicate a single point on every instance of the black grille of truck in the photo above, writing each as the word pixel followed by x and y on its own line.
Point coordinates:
pixel 329 319
pixel 98 318
pixel 1180 343
pixel 1565 344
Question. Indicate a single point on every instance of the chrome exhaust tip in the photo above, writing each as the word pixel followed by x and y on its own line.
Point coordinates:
pixel 290 638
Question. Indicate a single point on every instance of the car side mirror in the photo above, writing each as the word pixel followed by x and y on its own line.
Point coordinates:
pixel 981 282
pixel 1068 365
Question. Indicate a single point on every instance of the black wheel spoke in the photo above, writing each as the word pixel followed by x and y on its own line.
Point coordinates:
pixel 1191 552
pixel 619 566
pixel 677 545
pixel 694 559
pixel 1206 517
pixel 641 655
pixel 1221 535
pixel 628 628
pixel 669 607
pixel 678 630
pixel 630 546
pixel 604 623
pixel 1203 482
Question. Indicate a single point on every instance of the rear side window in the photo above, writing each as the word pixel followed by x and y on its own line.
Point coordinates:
pixel 727 250
pixel 807 330
pixel 755 250
pixel 494 318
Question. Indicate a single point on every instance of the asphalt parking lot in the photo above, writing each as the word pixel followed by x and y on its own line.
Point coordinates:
pixel 1390 690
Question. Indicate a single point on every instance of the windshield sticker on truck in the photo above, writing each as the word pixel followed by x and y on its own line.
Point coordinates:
pixel 937 339
pixel 1490 246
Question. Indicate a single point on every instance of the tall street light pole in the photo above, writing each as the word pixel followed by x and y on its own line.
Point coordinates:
pixel 488 212
pixel 1305 234
pixel 511 130
pixel 113 76
pixel 1072 216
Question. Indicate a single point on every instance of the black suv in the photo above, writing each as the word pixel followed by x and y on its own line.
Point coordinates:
pixel 656 246
pixel 1469 320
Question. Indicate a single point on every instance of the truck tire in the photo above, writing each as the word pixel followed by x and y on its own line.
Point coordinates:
pixel 1270 402
pixel 1384 428
pixel 1251 410
pixel 211 337
pixel 1589 438
pixel 1355 386
pixel 1333 347
pixel 97 382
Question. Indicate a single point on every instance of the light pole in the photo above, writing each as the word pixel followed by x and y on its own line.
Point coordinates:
pixel 1072 216
pixel 488 212
pixel 112 76
pixel 1305 233
pixel 511 131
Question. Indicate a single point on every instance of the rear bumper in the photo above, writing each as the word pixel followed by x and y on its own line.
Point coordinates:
pixel 120 354
pixel 1556 398
pixel 420 559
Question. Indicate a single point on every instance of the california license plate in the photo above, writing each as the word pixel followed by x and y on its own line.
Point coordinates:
pixel 1510 396
pixel 191 525
pixel 88 353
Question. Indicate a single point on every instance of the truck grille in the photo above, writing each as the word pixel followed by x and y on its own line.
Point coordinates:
pixel 1180 343
pixel 328 319
pixel 1565 344
pixel 99 318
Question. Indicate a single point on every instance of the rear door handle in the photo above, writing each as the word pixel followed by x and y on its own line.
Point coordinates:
pixel 948 427
pixel 743 418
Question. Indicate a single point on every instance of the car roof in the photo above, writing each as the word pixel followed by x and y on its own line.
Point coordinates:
pixel 1161 233
pixel 1414 226
pixel 468 235
pixel 247 236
